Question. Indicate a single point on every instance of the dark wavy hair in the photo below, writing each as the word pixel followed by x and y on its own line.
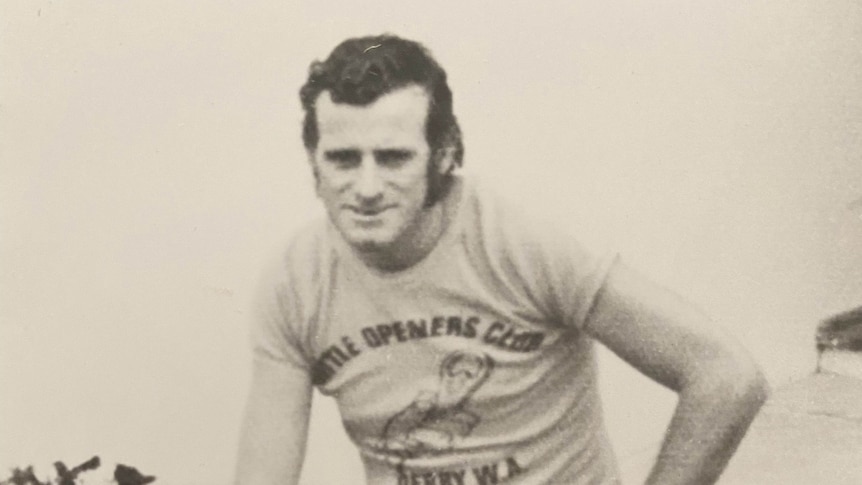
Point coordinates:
pixel 361 70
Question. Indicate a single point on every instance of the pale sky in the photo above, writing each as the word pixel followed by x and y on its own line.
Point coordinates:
pixel 150 160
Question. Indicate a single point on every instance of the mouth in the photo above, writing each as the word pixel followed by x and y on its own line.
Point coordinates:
pixel 367 212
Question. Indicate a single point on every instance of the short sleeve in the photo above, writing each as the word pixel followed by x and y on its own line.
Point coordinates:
pixel 575 274
pixel 276 324
pixel 553 267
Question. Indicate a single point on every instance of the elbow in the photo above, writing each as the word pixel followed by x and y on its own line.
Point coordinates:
pixel 737 383
pixel 750 390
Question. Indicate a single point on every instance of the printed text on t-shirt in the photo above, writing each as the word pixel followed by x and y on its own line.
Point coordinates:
pixel 505 335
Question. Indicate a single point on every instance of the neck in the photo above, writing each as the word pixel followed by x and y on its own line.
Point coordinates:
pixel 413 247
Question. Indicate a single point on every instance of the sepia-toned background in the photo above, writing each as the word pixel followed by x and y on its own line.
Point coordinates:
pixel 150 160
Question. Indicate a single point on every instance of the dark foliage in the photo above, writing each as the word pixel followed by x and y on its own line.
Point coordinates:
pixel 123 475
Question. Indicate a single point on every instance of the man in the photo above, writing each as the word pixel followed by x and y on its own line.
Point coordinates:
pixel 456 334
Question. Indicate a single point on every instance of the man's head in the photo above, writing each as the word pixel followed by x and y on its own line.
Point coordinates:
pixel 383 143
pixel 360 71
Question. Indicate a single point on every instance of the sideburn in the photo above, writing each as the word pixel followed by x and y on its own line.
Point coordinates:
pixel 438 183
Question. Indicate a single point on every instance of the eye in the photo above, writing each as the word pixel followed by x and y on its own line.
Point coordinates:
pixel 393 157
pixel 343 158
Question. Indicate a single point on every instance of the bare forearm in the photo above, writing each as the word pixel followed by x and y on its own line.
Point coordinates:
pixel 263 457
pixel 709 422
pixel 275 426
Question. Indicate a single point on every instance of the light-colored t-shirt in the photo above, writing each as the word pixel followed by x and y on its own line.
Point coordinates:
pixel 471 367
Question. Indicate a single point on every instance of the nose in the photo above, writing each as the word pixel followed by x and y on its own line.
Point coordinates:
pixel 369 185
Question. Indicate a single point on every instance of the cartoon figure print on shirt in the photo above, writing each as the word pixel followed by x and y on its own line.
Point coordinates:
pixel 435 419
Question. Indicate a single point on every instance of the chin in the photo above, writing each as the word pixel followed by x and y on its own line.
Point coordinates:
pixel 365 244
pixel 368 246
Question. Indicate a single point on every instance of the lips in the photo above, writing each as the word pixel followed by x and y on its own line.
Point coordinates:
pixel 368 212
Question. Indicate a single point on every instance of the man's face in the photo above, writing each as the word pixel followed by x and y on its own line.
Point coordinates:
pixel 371 164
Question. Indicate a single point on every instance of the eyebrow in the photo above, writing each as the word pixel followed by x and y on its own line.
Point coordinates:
pixel 341 154
pixel 382 154
pixel 394 152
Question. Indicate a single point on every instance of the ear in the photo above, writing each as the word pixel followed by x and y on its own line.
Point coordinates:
pixel 445 159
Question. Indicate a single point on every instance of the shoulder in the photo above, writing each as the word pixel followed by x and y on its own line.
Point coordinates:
pixel 287 295
pixel 304 250
pixel 558 267
pixel 309 249
pixel 298 266
pixel 512 227
pixel 289 290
